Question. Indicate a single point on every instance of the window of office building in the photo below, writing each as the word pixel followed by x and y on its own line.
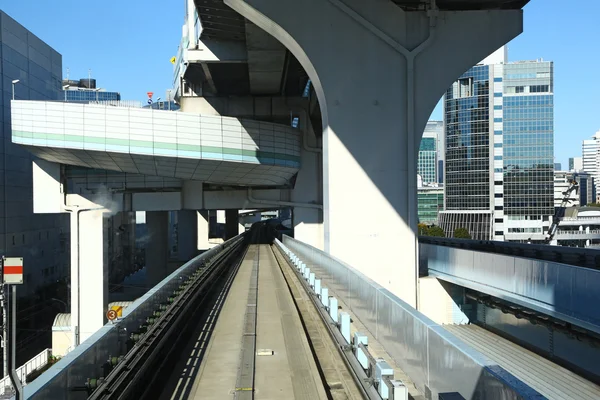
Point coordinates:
pixel 467 165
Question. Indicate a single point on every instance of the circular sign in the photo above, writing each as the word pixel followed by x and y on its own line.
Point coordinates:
pixel 111 315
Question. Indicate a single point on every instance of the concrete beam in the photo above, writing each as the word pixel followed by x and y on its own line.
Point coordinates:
pixel 210 50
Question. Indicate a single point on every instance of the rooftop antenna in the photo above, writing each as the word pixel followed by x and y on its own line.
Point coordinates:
pixel 89 78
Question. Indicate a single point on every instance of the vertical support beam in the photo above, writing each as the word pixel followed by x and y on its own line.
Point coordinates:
pixel 231 223
pixel 89 273
pixel 157 223
pixel 187 232
pixel 203 229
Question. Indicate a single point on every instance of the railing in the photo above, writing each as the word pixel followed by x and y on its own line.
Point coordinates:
pixel 591 232
pixel 581 257
pixel 435 360
pixel 69 376
pixel 37 362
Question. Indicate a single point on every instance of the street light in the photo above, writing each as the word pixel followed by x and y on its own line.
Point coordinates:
pixel 65 87
pixel 14 82
pixel 97 90
pixel 169 98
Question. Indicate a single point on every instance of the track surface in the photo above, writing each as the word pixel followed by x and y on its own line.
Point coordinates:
pixel 210 364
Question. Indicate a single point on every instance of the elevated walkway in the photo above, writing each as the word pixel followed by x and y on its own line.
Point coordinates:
pixel 180 145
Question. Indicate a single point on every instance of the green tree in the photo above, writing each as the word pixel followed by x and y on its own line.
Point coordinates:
pixel 422 229
pixel 435 231
pixel 593 204
pixel 462 233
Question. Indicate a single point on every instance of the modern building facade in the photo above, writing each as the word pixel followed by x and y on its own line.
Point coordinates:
pixel 430 203
pixel 499 166
pixel 85 90
pixel 590 150
pixel 575 164
pixel 435 129
pixel 427 161
pixel 31 69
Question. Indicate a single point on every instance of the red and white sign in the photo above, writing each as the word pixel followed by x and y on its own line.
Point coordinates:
pixel 13 270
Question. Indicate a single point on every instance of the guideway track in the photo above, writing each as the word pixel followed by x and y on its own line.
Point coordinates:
pixel 137 374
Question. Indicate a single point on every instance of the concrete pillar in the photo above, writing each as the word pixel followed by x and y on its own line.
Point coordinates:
pixel 308 222
pixel 231 223
pixel 400 63
pixel 157 223
pixel 187 232
pixel 203 228
pixel 89 273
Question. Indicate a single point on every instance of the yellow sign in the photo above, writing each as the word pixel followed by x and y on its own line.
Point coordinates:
pixel 118 310
pixel 173 59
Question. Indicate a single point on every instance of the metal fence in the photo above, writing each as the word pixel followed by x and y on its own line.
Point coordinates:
pixel 63 379
pixel 37 362
pixel 435 360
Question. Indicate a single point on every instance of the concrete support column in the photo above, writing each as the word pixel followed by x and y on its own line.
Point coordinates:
pixel 203 229
pixel 400 63
pixel 187 233
pixel 157 223
pixel 89 273
pixel 232 218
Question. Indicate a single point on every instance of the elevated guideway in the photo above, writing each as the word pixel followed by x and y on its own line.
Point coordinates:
pixel 541 297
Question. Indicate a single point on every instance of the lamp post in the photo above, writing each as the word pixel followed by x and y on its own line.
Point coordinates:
pixel 169 98
pixel 14 82
pixel 97 90
pixel 65 87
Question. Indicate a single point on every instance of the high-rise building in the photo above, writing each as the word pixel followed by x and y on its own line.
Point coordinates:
pixel 499 181
pixel 575 164
pixel 30 69
pixel 591 157
pixel 557 166
pixel 85 90
pixel 427 161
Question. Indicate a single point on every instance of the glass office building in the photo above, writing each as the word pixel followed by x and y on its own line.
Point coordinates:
pixel 528 140
pixel 427 161
pixel 499 165
pixel 430 203
pixel 41 239
pixel 87 95
pixel 467 163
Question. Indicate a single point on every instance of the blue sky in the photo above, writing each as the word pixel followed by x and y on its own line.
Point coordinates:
pixel 128 44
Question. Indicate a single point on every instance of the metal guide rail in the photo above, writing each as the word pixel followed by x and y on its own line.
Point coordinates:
pixel 131 376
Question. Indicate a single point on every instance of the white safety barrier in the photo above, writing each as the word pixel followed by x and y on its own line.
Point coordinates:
pixel 378 370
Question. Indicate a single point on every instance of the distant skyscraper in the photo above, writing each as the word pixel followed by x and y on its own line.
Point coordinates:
pixel 557 166
pixel 427 161
pixel 575 164
pixel 499 170
pixel 591 156
pixel 435 129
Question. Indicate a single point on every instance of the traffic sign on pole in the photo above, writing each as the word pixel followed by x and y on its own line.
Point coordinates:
pixel 13 271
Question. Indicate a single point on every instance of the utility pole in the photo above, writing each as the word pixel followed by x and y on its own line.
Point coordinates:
pixel 12 274
pixel 4 325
